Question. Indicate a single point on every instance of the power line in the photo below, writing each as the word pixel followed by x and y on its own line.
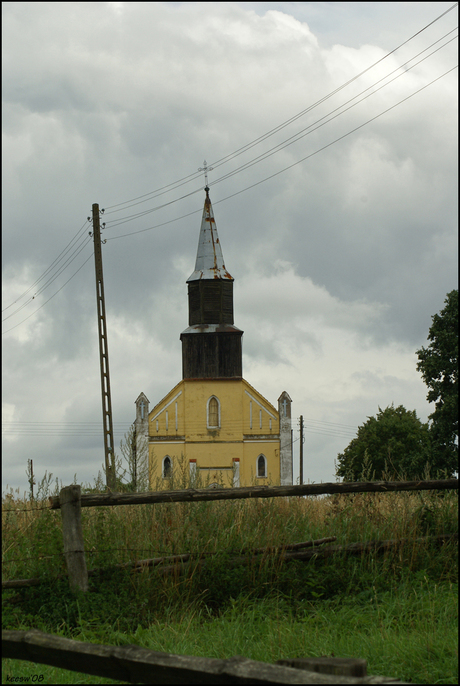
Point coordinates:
pixel 52 278
pixel 47 301
pixel 89 426
pixel 311 128
pixel 279 127
pixel 55 262
pixel 318 421
pixel 243 167
pixel 300 134
pixel 303 159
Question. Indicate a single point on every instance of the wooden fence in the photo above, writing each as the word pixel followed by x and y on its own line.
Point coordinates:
pixel 70 501
pixel 137 665
pixel 193 495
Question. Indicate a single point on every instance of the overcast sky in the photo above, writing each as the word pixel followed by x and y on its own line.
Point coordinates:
pixel 342 244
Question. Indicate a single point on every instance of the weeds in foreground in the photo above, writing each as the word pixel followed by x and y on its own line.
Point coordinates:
pixel 393 609
pixel 409 633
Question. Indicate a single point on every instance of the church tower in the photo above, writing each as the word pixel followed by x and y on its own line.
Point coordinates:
pixel 213 426
pixel 211 346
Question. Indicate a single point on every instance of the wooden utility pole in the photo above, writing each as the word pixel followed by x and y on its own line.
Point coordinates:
pixel 104 355
pixel 301 450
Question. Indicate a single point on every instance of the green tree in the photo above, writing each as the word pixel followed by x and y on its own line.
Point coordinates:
pixel 394 444
pixel 439 366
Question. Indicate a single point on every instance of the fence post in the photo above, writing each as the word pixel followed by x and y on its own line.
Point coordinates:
pixel 72 533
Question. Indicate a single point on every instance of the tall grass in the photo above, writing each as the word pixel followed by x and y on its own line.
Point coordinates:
pixel 394 606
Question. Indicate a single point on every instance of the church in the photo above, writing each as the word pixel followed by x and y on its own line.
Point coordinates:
pixel 213 423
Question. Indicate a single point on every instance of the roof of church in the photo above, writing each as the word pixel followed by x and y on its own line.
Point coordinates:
pixel 209 258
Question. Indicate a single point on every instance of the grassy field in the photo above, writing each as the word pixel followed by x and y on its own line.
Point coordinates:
pixel 398 610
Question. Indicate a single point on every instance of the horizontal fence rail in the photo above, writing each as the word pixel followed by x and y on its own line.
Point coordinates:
pixel 180 563
pixel 142 666
pixel 191 495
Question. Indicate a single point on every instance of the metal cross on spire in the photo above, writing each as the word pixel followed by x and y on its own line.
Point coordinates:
pixel 205 168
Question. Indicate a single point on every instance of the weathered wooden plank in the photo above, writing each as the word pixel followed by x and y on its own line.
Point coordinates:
pixel 342 666
pixel 22 583
pixel 290 546
pixel 139 665
pixel 202 494
pixel 321 553
pixel 187 557
pixel 179 561
pixel 72 533
pixel 171 560
pixel 367 547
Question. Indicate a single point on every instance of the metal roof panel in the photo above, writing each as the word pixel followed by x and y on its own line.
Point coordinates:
pixel 209 259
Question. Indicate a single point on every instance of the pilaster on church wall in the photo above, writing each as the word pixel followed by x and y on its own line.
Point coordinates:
pixel 284 408
pixel 141 423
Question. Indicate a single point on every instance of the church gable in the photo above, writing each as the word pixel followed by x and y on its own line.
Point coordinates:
pixel 166 418
pixel 259 415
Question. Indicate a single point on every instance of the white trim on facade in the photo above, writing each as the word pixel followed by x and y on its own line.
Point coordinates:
pixel 164 408
pixel 236 473
pixel 260 404
pixel 268 440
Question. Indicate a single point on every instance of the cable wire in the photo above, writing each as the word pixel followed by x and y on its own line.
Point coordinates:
pixel 221 161
pixel 52 278
pixel 303 159
pixel 47 301
pixel 55 262
pixel 279 127
pixel 303 132
pixel 311 128
pixel 308 130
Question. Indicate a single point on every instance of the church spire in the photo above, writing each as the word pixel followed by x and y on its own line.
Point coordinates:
pixel 209 259
pixel 211 346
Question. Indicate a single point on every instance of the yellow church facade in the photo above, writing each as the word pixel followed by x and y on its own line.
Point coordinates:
pixel 223 428
pixel 213 428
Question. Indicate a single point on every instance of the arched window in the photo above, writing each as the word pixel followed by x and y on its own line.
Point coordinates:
pixel 167 467
pixel 261 466
pixel 213 413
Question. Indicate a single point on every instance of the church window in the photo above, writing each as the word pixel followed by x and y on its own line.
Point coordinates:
pixel 213 413
pixel 167 467
pixel 261 466
pixel 260 418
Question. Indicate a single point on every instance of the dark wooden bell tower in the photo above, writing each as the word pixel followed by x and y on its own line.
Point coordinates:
pixel 211 346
